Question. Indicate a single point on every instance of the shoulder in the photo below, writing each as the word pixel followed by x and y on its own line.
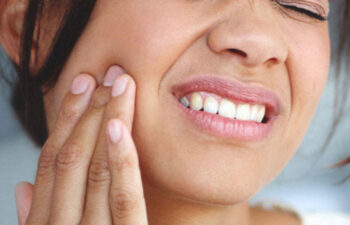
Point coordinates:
pixel 325 218
pixel 261 215
pixel 276 214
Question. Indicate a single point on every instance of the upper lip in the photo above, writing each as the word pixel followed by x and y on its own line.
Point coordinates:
pixel 230 89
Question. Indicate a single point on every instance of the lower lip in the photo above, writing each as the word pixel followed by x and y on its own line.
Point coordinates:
pixel 226 127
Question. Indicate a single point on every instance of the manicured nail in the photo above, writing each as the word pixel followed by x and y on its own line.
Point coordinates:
pixel 19 188
pixel 114 131
pixel 119 86
pixel 80 84
pixel 112 73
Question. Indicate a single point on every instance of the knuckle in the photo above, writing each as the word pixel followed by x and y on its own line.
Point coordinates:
pixel 70 157
pixel 99 173
pixel 124 163
pixel 69 112
pixel 113 112
pixel 99 100
pixel 123 203
pixel 47 160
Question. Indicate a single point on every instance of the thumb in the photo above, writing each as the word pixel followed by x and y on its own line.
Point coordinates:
pixel 23 195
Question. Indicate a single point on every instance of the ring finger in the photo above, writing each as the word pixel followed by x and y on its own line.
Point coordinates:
pixel 73 106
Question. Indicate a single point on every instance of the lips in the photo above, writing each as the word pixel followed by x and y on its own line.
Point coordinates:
pixel 237 92
pixel 232 90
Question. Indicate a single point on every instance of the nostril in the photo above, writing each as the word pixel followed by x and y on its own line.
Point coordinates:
pixel 239 52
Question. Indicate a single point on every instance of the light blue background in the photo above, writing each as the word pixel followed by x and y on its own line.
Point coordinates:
pixel 305 183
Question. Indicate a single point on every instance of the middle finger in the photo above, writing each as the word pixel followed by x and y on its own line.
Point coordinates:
pixel 121 107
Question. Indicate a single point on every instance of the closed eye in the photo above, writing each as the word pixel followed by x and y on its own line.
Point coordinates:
pixel 303 11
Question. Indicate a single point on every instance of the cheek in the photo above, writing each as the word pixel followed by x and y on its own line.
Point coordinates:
pixel 307 69
pixel 138 36
pixel 146 39
pixel 149 35
pixel 308 66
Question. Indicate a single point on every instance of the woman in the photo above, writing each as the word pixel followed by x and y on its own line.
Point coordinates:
pixel 225 93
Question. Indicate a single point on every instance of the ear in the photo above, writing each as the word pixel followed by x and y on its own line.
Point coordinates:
pixel 11 24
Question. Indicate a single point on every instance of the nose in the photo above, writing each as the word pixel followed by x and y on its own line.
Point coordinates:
pixel 249 39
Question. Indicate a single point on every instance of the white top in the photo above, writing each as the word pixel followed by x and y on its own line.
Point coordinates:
pixel 309 217
pixel 324 218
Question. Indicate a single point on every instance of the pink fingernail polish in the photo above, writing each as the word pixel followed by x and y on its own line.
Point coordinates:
pixel 80 84
pixel 119 86
pixel 112 73
pixel 21 189
pixel 114 131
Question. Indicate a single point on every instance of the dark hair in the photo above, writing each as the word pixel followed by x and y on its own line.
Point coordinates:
pixel 28 97
pixel 342 79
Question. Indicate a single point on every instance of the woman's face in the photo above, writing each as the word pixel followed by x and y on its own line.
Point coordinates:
pixel 163 44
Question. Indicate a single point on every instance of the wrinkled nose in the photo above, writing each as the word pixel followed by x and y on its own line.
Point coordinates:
pixel 249 39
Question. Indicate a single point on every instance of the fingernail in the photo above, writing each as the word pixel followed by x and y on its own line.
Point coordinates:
pixel 112 73
pixel 119 86
pixel 80 84
pixel 18 190
pixel 19 186
pixel 114 131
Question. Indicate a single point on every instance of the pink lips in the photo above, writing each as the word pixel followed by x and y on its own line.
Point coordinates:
pixel 238 92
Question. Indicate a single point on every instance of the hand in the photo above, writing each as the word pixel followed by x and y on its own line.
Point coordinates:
pixel 88 170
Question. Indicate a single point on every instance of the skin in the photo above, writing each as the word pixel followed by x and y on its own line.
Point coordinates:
pixel 188 176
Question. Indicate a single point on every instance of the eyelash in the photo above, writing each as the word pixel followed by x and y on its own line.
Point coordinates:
pixel 302 11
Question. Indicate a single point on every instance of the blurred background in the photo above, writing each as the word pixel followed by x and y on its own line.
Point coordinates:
pixel 306 184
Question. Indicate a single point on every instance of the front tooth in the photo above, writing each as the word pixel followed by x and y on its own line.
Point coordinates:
pixel 261 114
pixel 196 102
pixel 227 109
pixel 211 105
pixel 254 112
pixel 184 101
pixel 243 112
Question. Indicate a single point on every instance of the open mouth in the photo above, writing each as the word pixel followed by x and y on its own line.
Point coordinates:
pixel 228 108
pixel 214 104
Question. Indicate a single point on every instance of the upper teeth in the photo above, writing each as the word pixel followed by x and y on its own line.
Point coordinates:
pixel 226 108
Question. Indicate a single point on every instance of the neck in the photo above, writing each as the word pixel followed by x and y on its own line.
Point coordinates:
pixel 170 209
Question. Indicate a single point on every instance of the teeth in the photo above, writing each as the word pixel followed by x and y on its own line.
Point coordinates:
pixel 196 102
pixel 227 109
pixel 211 105
pixel 254 112
pixel 184 101
pixel 243 112
pixel 261 114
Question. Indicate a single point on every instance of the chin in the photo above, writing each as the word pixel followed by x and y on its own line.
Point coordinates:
pixel 200 192
pixel 199 181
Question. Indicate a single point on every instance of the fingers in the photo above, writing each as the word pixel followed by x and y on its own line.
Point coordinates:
pixel 75 153
pixel 120 106
pixel 74 158
pixel 23 194
pixel 74 104
pixel 126 193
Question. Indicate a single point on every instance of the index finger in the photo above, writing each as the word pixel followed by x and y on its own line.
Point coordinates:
pixel 74 104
